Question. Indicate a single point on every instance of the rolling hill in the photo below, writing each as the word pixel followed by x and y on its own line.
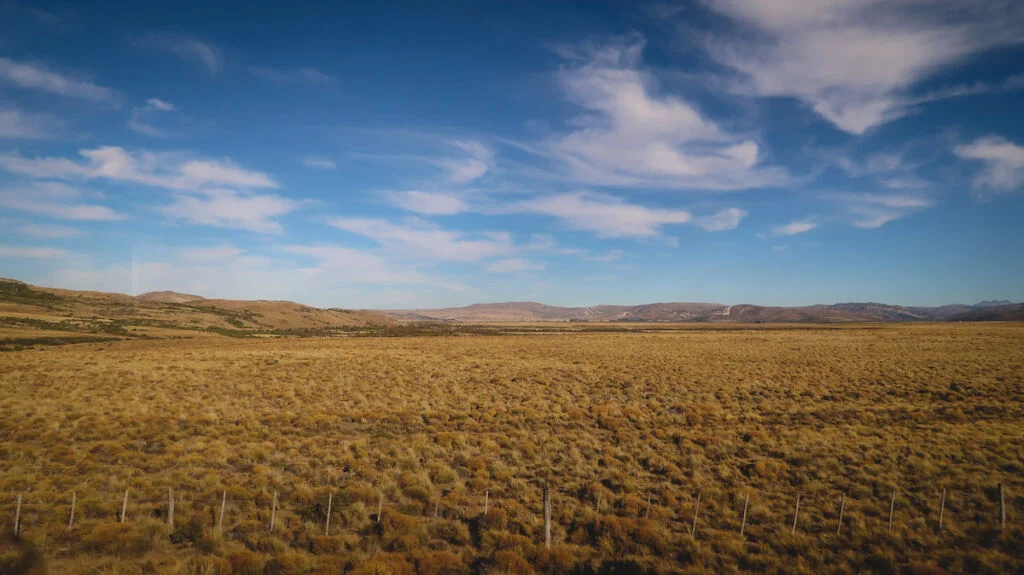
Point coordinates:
pixel 713 312
pixel 51 316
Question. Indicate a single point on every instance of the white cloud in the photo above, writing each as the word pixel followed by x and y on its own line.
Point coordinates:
pixel 909 182
pixel 606 216
pixel 187 48
pixel 138 121
pixel 474 164
pixel 209 254
pixel 208 192
pixel 1003 162
pixel 54 200
pixel 724 220
pixel 854 62
pixel 48 231
pixel 609 256
pixel 165 170
pixel 794 228
pixel 304 75
pixel 870 211
pixel 31 252
pixel 425 242
pixel 513 265
pixel 428 203
pixel 324 275
pixel 231 209
pixel 631 135
pixel 318 163
pixel 38 77
pixel 17 124
pixel 161 105
pixel 343 264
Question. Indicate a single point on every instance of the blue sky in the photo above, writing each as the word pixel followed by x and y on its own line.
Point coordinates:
pixel 398 155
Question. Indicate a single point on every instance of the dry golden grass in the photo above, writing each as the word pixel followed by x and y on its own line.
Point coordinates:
pixel 609 419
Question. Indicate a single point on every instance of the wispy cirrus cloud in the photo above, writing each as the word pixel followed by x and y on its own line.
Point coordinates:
pixel 33 252
pixel 513 265
pixel 612 217
pixel 188 48
pixel 633 133
pixel 205 191
pixel 722 220
pixel 38 77
pixel 474 163
pixel 232 209
pixel 49 231
pixel 872 210
pixel 422 240
pixel 16 124
pixel 318 163
pixel 336 263
pixel 856 62
pixel 55 200
pixel 303 75
pixel 794 228
pixel 428 203
pixel 1002 163
pixel 140 120
pixel 175 171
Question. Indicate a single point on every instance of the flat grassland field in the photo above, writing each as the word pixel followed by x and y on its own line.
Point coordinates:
pixel 651 442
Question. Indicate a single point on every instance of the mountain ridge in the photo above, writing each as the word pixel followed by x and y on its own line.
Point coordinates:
pixel 715 312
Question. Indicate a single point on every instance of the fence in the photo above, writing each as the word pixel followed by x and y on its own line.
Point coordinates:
pixel 164 508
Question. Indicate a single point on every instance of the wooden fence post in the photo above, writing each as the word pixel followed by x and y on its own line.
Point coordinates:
pixel 71 518
pixel 942 508
pixel 796 514
pixel 487 494
pixel 17 517
pixel 892 507
pixel 170 508
pixel 743 525
pixel 124 505
pixel 380 505
pixel 842 508
pixel 1002 508
pixel 696 510
pixel 547 516
pixel 220 518
pixel 273 513
pixel 327 522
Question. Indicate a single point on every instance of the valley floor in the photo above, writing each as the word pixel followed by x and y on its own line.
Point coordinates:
pixel 630 430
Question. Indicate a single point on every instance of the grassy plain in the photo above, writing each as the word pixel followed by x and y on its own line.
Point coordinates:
pixel 627 427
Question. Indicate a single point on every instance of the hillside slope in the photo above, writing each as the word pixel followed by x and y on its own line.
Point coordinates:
pixel 53 315
pixel 713 312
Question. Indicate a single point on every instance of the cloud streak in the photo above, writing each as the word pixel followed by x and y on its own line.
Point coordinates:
pixel 854 62
pixel 41 78
pixel 604 215
pixel 54 200
pixel 187 48
pixel 32 252
pixel 1002 161
pixel 631 133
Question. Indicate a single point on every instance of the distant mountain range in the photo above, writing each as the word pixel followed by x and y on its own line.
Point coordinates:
pixel 713 312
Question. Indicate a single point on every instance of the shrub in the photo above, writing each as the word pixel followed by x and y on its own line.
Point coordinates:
pixel 441 563
pixel 117 539
pixel 384 564
pixel 511 563
pixel 246 562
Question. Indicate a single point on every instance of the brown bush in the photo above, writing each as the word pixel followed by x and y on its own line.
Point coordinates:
pixel 440 563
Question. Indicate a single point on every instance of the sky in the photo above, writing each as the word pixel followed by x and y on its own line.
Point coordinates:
pixel 433 154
